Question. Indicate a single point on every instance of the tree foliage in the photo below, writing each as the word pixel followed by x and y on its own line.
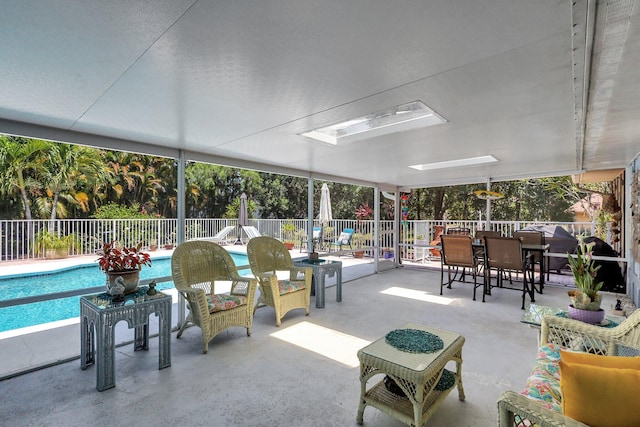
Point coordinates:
pixel 48 180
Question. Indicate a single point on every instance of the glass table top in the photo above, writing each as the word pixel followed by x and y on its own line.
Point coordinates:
pixel 534 314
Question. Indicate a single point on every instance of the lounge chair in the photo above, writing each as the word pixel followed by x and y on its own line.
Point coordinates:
pixel 251 231
pixel 344 239
pixel 315 238
pixel 221 237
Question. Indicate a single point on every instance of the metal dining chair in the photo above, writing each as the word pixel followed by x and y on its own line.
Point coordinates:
pixel 457 253
pixel 463 231
pixel 506 256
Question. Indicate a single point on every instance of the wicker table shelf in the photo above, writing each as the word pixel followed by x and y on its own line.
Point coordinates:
pixel 416 373
pixel 98 317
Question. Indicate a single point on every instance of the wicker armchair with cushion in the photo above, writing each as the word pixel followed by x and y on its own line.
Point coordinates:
pixel 283 286
pixel 196 266
pixel 579 378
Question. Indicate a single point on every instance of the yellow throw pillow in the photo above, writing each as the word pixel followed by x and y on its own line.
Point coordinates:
pixel 599 360
pixel 600 396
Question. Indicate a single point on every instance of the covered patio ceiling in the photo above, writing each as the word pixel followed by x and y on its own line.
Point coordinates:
pixel 546 87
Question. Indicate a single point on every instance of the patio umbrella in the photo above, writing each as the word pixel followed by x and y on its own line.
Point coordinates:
pixel 325 209
pixel 243 217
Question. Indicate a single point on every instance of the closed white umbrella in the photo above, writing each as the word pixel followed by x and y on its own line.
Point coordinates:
pixel 243 216
pixel 325 209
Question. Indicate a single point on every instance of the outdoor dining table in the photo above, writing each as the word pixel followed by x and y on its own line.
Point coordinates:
pixel 540 249
pixel 479 250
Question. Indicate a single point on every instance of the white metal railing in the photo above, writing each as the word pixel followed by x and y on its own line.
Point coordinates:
pixel 17 237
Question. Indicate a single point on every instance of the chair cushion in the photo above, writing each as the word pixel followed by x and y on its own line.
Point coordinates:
pixel 344 238
pixel 601 391
pixel 288 286
pixel 600 360
pixel 221 302
pixel 543 385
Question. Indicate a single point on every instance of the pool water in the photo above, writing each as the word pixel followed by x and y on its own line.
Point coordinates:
pixel 85 276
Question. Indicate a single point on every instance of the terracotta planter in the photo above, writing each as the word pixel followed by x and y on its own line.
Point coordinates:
pixel 56 253
pixel 289 246
pixel 130 278
pixel 358 254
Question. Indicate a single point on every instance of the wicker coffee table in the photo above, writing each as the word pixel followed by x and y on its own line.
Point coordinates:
pixel 416 373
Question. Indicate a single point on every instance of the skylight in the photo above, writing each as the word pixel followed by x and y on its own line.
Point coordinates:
pixel 455 163
pixel 403 117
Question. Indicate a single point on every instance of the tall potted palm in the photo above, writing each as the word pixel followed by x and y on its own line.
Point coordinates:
pixel 363 213
pixel 289 232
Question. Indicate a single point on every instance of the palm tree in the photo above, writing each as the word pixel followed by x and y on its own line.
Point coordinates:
pixel 70 165
pixel 22 162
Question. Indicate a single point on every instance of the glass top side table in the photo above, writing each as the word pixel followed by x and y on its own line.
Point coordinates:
pixel 99 314
pixel 321 268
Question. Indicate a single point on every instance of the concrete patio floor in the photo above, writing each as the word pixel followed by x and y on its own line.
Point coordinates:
pixel 304 373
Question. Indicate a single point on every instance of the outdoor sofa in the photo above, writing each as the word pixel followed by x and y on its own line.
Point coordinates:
pixel 609 390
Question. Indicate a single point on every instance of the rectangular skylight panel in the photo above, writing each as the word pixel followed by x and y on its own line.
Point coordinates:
pixel 455 163
pixel 391 120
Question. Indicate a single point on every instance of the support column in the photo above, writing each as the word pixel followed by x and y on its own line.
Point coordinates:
pixel 310 215
pixel 487 225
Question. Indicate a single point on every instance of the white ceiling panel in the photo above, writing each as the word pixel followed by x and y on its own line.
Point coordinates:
pixel 239 81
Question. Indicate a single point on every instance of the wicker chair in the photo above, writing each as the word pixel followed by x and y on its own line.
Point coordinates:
pixel 196 266
pixel 515 410
pixel 269 259
pixel 457 252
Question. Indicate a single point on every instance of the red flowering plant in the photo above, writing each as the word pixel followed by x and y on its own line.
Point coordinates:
pixel 116 259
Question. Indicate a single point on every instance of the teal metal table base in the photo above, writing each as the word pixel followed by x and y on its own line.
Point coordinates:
pixel 98 317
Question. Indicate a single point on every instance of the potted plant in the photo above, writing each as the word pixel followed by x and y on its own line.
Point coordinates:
pixel 123 262
pixel 153 244
pixel 53 245
pixel 168 244
pixel 585 300
pixel 358 239
pixel 289 232
pixel 363 213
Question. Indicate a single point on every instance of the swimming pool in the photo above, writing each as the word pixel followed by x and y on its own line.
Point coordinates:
pixel 83 276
